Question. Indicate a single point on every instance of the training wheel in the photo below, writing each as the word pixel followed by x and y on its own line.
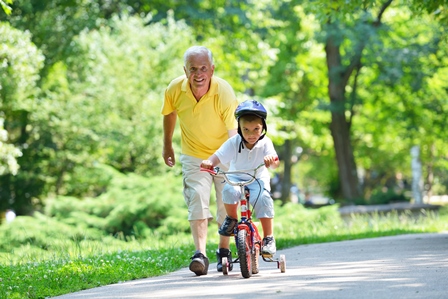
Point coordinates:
pixel 282 263
pixel 225 266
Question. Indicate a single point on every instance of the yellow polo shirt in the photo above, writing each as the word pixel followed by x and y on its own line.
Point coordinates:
pixel 203 124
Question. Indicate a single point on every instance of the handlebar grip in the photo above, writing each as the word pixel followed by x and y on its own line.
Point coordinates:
pixel 209 170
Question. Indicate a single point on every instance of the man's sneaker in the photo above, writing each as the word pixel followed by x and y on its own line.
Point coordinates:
pixel 199 264
pixel 227 227
pixel 223 252
pixel 268 248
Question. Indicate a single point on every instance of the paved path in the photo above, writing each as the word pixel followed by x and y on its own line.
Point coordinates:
pixel 407 266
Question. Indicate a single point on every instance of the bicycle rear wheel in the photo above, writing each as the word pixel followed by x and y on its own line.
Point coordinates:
pixel 244 253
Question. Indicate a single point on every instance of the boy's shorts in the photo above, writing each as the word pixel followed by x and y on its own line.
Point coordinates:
pixel 260 199
pixel 197 189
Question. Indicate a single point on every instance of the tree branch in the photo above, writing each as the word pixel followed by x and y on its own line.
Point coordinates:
pixel 355 62
pixel 381 12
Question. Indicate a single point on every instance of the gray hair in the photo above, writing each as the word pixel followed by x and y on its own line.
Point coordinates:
pixel 194 50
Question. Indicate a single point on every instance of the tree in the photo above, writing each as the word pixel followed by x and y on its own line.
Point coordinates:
pixel 348 30
pixel 20 63
pixel 102 106
pixel 6 8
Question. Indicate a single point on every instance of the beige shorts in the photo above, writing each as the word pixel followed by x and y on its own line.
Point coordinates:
pixel 197 190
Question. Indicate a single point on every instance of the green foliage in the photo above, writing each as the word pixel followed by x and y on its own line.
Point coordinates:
pixel 6 8
pixel 380 197
pixel 132 64
pixel 8 153
pixel 101 106
pixel 65 275
pixel 20 63
pixel 97 100
pixel 131 206
pixel 43 233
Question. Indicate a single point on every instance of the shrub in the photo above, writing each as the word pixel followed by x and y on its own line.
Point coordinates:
pixel 132 205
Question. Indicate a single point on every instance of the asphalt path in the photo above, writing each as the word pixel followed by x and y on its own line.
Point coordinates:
pixel 405 266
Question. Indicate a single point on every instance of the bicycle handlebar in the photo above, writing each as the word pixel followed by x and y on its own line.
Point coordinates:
pixel 217 170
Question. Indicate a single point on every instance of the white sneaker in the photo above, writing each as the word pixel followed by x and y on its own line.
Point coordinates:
pixel 268 247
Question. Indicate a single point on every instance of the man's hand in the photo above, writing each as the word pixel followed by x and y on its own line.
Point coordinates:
pixel 168 156
pixel 207 164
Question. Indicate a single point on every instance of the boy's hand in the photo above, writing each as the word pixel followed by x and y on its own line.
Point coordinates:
pixel 207 164
pixel 271 161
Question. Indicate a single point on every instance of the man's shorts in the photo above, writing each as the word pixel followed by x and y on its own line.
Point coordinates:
pixel 197 190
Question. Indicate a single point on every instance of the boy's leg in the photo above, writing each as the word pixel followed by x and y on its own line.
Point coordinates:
pixel 264 210
pixel 268 248
pixel 268 226
pixel 230 199
pixel 232 210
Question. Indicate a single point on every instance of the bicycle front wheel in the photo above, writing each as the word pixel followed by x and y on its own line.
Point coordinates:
pixel 244 253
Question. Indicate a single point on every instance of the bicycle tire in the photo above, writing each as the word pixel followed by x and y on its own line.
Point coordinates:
pixel 282 262
pixel 225 266
pixel 244 253
pixel 255 260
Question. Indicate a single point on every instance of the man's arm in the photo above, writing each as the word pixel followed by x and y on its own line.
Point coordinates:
pixel 232 132
pixel 169 123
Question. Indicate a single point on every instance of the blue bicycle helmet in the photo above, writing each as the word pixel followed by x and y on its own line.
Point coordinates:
pixel 251 107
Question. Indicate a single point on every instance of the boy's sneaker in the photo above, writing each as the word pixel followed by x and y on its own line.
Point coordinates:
pixel 268 249
pixel 228 227
pixel 223 252
pixel 199 264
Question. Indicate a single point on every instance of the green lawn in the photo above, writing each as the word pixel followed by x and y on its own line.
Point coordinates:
pixel 71 265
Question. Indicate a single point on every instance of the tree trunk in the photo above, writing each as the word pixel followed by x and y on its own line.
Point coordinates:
pixel 340 128
pixel 344 156
pixel 286 182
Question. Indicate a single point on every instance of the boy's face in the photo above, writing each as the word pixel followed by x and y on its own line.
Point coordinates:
pixel 251 130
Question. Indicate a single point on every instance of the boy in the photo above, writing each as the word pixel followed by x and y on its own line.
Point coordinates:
pixel 246 150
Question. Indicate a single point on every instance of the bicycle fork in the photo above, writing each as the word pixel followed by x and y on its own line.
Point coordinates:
pixel 246 220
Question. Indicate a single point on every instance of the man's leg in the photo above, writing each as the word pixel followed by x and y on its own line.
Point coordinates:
pixel 197 189
pixel 224 242
pixel 199 232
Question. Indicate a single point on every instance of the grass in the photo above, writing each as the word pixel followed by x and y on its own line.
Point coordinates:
pixel 83 264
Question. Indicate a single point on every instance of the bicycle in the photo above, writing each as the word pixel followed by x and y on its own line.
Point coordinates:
pixel 247 239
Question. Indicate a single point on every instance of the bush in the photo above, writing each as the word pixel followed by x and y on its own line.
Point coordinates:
pixel 132 205
pixel 42 232
pixel 383 197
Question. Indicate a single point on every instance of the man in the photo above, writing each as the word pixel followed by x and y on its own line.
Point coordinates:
pixel 205 106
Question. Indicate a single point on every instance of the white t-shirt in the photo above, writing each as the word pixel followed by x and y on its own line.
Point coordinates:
pixel 247 159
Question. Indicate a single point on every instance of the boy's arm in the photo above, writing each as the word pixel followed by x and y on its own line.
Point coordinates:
pixel 271 161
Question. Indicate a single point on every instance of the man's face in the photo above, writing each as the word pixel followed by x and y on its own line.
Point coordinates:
pixel 199 71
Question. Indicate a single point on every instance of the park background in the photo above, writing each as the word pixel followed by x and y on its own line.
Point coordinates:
pixel 351 88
